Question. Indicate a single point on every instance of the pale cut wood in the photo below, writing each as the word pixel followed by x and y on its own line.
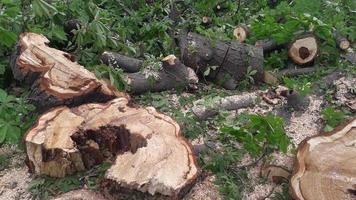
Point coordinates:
pixel 150 155
pixel 303 50
pixel 55 78
pixel 241 32
pixel 325 166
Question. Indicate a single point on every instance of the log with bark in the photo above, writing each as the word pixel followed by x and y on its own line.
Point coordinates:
pixel 325 166
pixel 173 75
pixel 54 77
pixel 148 152
pixel 269 45
pixel 231 60
pixel 304 49
pixel 341 41
pixel 203 109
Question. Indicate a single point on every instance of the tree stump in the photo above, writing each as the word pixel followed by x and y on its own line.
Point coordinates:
pixel 55 78
pixel 325 166
pixel 231 61
pixel 148 152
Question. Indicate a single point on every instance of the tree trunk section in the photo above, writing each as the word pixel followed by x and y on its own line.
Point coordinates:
pixel 304 49
pixel 126 63
pixel 55 78
pixel 149 154
pixel 325 166
pixel 232 60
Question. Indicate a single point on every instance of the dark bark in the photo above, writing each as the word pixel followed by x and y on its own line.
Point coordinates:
pixel 296 71
pixel 173 76
pixel 269 45
pixel 231 59
pixel 126 63
pixel 341 41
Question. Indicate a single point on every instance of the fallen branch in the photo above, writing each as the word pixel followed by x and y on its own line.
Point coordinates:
pixel 296 71
pixel 126 63
pixel 226 103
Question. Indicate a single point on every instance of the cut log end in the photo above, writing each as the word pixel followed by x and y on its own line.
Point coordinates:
pixel 325 166
pixel 241 33
pixel 206 20
pixel 344 44
pixel 170 59
pixel 148 151
pixel 303 50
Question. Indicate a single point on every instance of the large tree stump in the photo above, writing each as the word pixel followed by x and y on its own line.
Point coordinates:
pixel 325 166
pixel 148 151
pixel 231 60
pixel 55 78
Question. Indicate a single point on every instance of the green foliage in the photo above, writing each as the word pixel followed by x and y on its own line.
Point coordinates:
pixel 43 187
pixel 115 75
pixel 303 86
pixel 332 118
pixel 259 134
pixel 13 113
pixel 276 60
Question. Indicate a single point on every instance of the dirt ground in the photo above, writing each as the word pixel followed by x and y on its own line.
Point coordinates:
pixel 15 179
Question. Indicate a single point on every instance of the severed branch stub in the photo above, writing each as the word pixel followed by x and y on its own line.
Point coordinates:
pixel 241 32
pixel 325 166
pixel 204 111
pixel 149 154
pixel 304 49
pixel 55 78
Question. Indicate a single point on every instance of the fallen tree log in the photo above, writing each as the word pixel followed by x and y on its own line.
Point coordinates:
pixel 325 166
pixel 55 78
pixel 149 153
pixel 341 41
pixel 269 45
pixel 304 49
pixel 232 61
pixel 204 110
pixel 173 75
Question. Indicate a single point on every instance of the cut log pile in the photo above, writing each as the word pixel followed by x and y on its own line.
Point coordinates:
pixel 148 152
pixel 325 166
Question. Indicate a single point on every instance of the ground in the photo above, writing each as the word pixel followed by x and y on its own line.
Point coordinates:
pixel 15 179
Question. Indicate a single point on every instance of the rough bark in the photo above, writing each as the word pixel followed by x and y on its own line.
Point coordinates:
pixel 341 41
pixel 174 74
pixel 296 71
pixel 304 49
pixel 325 166
pixel 269 45
pixel 241 32
pixel 231 60
pixel 55 78
pixel 126 63
pixel 204 111
pixel 148 151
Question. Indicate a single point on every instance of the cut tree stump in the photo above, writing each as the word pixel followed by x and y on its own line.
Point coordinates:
pixel 55 78
pixel 230 60
pixel 325 166
pixel 304 49
pixel 174 74
pixel 149 153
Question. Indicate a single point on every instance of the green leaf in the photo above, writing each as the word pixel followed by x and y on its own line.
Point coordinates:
pixel 207 71
pixel 42 8
pixel 8 38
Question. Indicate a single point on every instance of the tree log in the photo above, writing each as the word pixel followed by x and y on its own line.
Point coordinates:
pixel 304 49
pixel 232 60
pixel 341 41
pixel 204 111
pixel 149 153
pixel 174 75
pixel 325 166
pixel 55 78
pixel 126 63
pixel 269 45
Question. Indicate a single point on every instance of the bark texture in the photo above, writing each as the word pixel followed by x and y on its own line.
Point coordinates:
pixel 126 63
pixel 55 78
pixel 231 60
pixel 148 151
pixel 269 45
pixel 325 166
pixel 203 109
